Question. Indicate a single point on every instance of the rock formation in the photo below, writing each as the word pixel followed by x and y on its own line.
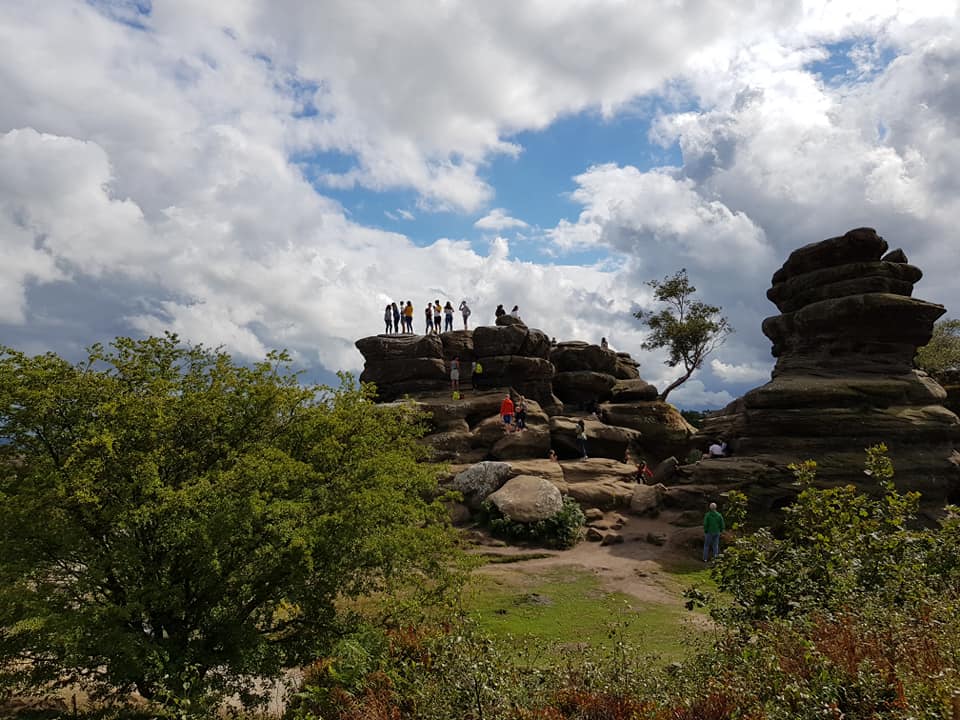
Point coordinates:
pixel 844 378
pixel 562 384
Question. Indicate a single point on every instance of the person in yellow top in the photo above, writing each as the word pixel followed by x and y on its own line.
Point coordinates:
pixel 437 316
pixel 408 316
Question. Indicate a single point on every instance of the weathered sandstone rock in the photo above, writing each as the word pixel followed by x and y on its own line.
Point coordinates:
pixel 527 499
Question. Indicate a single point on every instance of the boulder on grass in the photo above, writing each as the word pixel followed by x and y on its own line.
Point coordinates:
pixel 527 499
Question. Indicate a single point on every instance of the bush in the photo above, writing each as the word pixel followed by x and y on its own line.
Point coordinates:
pixel 561 530
pixel 174 522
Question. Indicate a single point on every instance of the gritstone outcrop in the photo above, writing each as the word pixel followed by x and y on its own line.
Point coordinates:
pixel 844 377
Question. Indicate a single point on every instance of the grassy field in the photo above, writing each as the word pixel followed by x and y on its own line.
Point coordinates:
pixel 563 607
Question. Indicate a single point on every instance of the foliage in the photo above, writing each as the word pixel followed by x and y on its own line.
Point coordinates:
pixel 695 417
pixel 688 328
pixel 173 522
pixel 942 353
pixel 561 530
pixel 853 614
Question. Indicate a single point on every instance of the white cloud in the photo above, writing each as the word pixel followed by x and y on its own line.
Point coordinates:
pixel 731 373
pixel 161 159
pixel 498 220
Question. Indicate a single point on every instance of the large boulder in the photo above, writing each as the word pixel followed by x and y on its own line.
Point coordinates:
pixel 526 498
pixel 647 499
pixel 603 440
pixel 844 380
pixel 583 386
pixel 510 340
pixel 400 347
pixel 477 482
pixel 576 356
pixel 624 391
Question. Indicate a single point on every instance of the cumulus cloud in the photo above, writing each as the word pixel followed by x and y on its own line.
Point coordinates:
pixel 731 373
pixel 149 172
pixel 498 220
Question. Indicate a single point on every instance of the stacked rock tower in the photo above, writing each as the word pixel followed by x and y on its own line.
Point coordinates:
pixel 844 378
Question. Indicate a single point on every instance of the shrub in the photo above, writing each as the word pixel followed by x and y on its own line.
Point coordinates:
pixel 561 530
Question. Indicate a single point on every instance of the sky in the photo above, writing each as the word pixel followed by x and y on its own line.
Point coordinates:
pixel 263 174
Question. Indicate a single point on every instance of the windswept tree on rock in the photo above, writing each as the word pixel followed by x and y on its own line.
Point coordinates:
pixel 688 328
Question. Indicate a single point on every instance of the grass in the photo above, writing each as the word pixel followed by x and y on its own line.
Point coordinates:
pixel 565 606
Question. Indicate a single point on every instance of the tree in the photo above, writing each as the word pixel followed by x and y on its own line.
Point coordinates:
pixel 942 353
pixel 688 328
pixel 171 521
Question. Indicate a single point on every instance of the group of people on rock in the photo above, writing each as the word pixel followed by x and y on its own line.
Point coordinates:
pixel 513 414
pixel 500 312
pixel 399 319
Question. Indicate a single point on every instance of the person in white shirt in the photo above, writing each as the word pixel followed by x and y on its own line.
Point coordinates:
pixel 717 449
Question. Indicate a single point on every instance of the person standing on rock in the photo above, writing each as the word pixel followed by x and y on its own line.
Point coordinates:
pixel 448 317
pixel 437 316
pixel 396 318
pixel 408 317
pixel 520 413
pixel 712 527
pixel 388 319
pixel 582 438
pixel 455 374
pixel 604 345
pixel 506 412
pixel 465 311
pixel 515 312
pixel 500 312
pixel 428 318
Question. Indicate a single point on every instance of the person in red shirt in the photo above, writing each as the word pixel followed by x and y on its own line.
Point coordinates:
pixel 506 412
pixel 644 472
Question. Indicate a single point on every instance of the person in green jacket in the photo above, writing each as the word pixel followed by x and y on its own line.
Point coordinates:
pixel 712 527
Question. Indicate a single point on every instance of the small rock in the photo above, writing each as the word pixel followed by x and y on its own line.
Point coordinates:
pixel 656 538
pixel 594 514
pixel 602 525
pixel 612 539
pixel 594 535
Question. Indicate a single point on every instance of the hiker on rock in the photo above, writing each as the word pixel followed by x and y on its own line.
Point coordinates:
pixel 717 450
pixel 408 317
pixel 465 311
pixel 604 345
pixel 388 319
pixel 582 438
pixel 455 374
pixel 515 312
pixel 500 312
pixel 396 318
pixel 428 318
pixel 520 413
pixel 506 412
pixel 448 317
pixel 644 472
pixel 476 371
pixel 437 316
pixel 712 527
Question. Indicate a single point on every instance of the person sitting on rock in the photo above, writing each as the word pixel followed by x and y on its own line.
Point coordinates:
pixel 552 455
pixel 506 412
pixel 500 312
pixel 717 450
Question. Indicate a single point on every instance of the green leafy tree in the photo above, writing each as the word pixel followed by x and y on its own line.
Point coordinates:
pixel 942 353
pixel 174 522
pixel 688 328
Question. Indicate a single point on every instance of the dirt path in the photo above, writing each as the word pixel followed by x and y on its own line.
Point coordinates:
pixel 635 567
